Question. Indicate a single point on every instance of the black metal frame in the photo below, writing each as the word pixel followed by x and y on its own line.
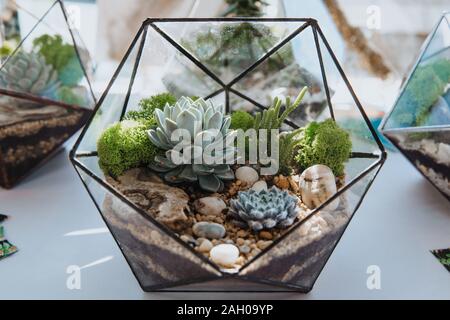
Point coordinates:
pixel 42 100
pixel 227 88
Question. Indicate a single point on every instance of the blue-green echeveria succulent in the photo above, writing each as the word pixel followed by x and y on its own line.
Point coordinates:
pixel 263 209
pixel 208 127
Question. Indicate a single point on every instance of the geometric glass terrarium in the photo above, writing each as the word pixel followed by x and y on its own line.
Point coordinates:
pixel 45 95
pixel 419 123
pixel 158 220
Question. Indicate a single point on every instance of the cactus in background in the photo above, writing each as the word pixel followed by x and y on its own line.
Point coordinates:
pixel 201 119
pixel 263 209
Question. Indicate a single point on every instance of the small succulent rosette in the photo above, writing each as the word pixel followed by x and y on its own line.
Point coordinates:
pixel 45 95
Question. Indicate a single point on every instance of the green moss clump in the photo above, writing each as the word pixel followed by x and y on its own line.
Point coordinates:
pixel 123 146
pixel 324 143
pixel 242 120
pixel 61 56
pixel 424 88
pixel 148 106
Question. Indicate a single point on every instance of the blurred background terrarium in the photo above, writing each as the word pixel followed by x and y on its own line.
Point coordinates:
pixel 45 93
pixel 419 122
pixel 213 59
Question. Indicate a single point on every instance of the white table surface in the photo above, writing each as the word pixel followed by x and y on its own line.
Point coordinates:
pixel 401 219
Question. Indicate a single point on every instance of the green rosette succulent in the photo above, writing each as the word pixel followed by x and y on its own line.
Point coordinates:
pixel 265 209
pixel 208 129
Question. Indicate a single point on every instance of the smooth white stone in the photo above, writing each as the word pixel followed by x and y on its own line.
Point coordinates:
pixel 260 185
pixel 248 175
pixel 210 206
pixel 224 255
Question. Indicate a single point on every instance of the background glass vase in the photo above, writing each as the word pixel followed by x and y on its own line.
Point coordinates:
pixel 419 123
pixel 45 94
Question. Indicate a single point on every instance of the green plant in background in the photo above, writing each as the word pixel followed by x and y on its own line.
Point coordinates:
pixel 148 106
pixel 237 46
pixel 125 145
pixel 244 8
pixel 242 120
pixel 61 56
pixel 426 85
pixel 324 143
pixel 201 119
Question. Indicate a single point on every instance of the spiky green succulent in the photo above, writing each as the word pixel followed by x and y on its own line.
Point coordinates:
pixel 208 127
pixel 263 209
pixel 29 73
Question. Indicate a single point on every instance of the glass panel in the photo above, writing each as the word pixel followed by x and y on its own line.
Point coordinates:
pixel 228 48
pixel 47 65
pixel 157 260
pixel 16 21
pixel 285 73
pixel 345 109
pixel 112 104
pixel 163 68
pixel 298 258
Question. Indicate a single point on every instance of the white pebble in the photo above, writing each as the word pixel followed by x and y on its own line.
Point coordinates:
pixel 224 255
pixel 248 175
pixel 210 206
pixel 260 185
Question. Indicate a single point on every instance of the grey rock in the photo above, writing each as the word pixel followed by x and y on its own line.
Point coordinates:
pixel 209 230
